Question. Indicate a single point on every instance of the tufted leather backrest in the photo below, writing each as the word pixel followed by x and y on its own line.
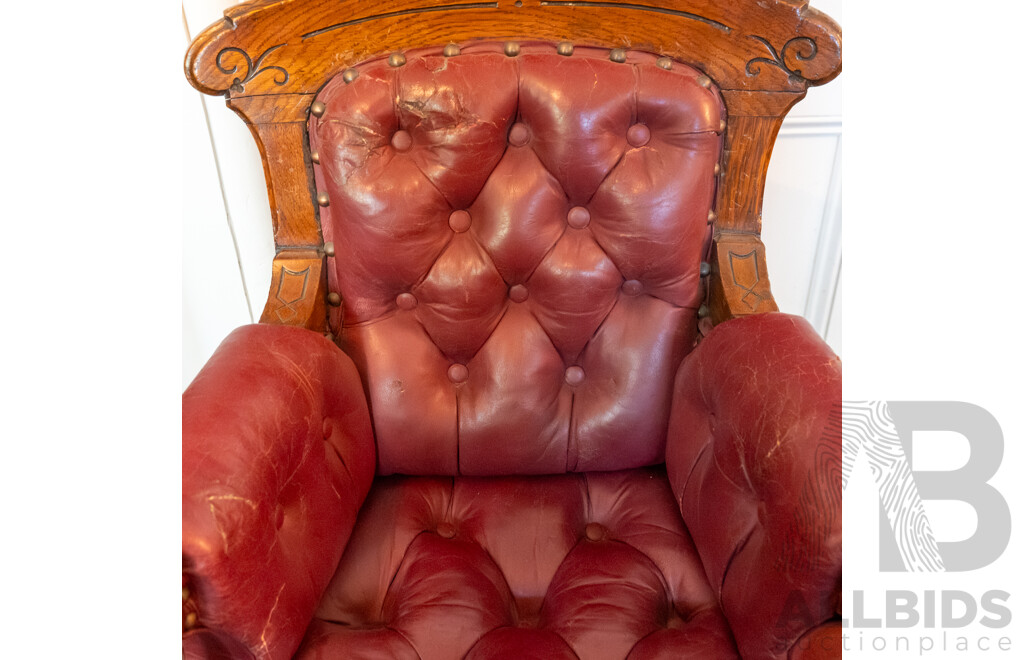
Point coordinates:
pixel 518 238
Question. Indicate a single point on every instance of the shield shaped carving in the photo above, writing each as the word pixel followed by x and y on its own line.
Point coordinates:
pixel 291 288
pixel 745 275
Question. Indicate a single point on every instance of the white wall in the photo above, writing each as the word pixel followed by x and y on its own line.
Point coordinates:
pixel 227 237
pixel 228 246
pixel 802 217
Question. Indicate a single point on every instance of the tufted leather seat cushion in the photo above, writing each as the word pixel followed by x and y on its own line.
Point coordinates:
pixel 518 245
pixel 585 565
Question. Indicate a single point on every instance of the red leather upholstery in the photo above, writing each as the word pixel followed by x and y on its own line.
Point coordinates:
pixel 518 246
pixel 755 461
pixel 277 456
pixel 518 251
pixel 597 565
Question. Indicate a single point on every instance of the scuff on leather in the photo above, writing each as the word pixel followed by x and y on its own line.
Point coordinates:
pixel 270 617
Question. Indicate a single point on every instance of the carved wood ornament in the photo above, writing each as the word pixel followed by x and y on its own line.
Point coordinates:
pixel 270 57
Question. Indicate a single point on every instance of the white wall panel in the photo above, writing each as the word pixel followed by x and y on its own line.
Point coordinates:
pixel 227 234
pixel 245 195
pixel 201 13
pixel 212 292
pixel 834 330
pixel 828 255
pixel 795 201
pixel 241 174
pixel 802 214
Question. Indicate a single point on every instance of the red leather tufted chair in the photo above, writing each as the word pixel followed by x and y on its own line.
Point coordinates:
pixel 533 418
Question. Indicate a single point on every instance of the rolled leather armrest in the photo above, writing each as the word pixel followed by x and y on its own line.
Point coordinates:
pixel 754 457
pixel 277 458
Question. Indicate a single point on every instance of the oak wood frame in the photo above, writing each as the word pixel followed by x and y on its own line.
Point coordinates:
pixel 270 58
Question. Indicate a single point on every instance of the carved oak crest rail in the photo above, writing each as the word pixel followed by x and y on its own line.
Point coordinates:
pixel 270 57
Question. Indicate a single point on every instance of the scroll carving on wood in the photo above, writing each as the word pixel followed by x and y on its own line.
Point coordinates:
pixel 252 69
pixel 799 49
pixel 735 43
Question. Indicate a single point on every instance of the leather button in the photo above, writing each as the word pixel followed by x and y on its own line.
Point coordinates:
pixel 406 301
pixel 458 373
pixel 446 530
pixel 401 140
pixel 638 135
pixel 574 375
pixel 459 221
pixel 595 531
pixel 632 287
pixel 579 217
pixel 519 135
pixel 328 428
pixel 518 293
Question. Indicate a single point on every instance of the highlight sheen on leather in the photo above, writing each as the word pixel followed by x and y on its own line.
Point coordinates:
pixel 518 251
pixel 519 450
pixel 589 566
